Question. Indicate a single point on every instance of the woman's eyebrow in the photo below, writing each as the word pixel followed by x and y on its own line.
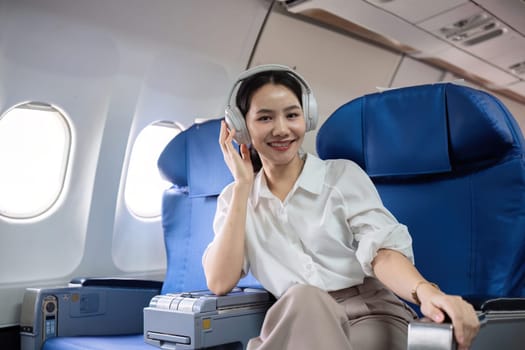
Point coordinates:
pixel 264 111
pixel 287 109
pixel 292 107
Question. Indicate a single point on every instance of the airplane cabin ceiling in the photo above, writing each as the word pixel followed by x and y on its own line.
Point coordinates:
pixel 482 40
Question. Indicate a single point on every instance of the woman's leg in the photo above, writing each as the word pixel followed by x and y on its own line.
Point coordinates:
pixel 378 332
pixel 305 317
pixel 377 319
pixel 365 317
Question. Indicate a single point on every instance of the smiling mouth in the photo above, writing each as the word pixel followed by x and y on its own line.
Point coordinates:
pixel 281 145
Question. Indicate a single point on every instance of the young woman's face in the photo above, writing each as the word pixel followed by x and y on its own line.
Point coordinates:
pixel 276 124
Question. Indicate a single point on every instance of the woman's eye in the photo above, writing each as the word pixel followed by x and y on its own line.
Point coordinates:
pixel 264 118
pixel 293 115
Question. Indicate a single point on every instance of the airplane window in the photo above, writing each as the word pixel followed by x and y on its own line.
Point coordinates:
pixel 144 185
pixel 35 143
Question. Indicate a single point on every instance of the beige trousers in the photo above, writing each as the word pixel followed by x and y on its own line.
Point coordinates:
pixel 364 317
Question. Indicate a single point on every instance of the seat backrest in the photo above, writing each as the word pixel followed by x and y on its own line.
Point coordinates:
pixel 194 164
pixel 448 162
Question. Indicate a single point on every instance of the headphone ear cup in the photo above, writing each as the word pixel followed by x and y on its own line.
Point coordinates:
pixel 310 111
pixel 235 121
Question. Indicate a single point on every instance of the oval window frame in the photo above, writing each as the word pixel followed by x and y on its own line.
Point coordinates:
pixel 56 192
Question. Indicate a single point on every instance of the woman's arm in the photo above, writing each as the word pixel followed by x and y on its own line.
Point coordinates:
pixel 397 272
pixel 225 256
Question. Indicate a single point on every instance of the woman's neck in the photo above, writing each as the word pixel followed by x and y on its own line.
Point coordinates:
pixel 281 178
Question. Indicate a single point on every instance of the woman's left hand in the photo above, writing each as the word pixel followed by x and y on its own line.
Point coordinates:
pixel 434 305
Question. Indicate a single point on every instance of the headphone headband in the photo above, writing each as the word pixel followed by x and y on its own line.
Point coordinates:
pixel 234 117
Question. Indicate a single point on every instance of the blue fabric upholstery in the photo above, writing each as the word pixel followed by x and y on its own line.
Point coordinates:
pixel 384 120
pixel 126 342
pixel 448 162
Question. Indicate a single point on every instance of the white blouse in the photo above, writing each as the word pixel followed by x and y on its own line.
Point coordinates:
pixel 326 232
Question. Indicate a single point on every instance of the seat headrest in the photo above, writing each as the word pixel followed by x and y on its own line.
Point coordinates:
pixel 172 161
pixel 194 159
pixel 420 130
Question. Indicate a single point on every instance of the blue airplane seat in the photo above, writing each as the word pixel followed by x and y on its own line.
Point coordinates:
pixel 448 162
pixel 194 164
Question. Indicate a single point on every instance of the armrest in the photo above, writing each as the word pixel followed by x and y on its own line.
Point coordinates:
pixel 197 320
pixel 425 334
pixel 502 327
pixel 101 306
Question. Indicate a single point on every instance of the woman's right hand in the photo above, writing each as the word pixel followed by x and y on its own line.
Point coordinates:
pixel 240 165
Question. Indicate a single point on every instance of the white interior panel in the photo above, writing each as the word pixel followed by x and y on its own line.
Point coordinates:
pixel 413 72
pixel 496 47
pixel 520 89
pixel 450 17
pixel 417 10
pixel 512 56
pixel 513 11
pixel 470 63
pixel 377 20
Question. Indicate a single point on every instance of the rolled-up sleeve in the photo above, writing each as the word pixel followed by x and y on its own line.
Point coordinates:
pixel 376 230
pixel 372 225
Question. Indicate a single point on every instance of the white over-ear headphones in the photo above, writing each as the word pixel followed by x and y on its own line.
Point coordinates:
pixel 235 119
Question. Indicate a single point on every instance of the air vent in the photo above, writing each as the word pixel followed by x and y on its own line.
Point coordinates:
pixel 518 68
pixel 484 37
pixel 473 30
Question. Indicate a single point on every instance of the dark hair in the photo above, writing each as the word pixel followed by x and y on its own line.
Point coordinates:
pixel 253 83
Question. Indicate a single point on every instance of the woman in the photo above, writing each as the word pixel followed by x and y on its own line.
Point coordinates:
pixel 314 233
